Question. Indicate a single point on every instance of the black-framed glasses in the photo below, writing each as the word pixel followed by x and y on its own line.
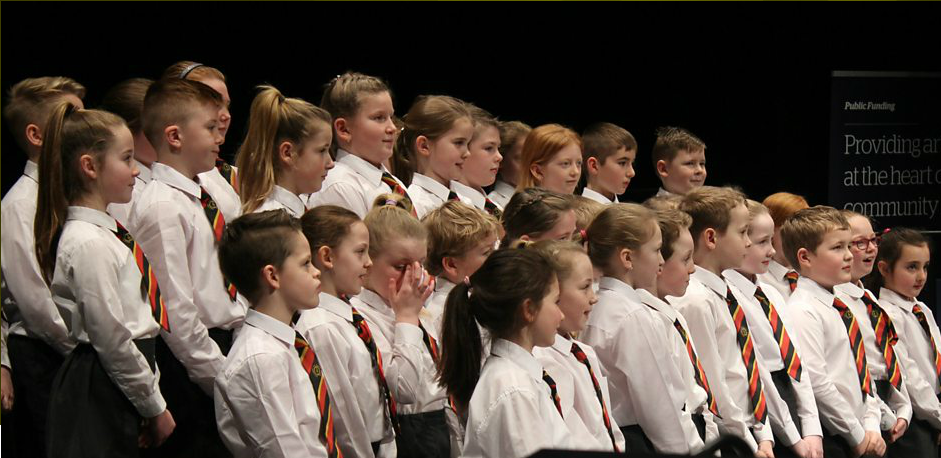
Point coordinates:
pixel 862 244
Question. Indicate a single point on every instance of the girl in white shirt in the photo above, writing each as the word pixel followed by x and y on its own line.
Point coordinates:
pixel 512 136
pixel 535 214
pixel 105 399
pixel 339 242
pixel 551 159
pixel 582 386
pixel 513 404
pixel 433 146
pixel 481 166
pixel 286 153
pixel 900 275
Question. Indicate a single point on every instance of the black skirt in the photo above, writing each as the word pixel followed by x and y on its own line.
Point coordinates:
pixel 423 435
pixel 89 416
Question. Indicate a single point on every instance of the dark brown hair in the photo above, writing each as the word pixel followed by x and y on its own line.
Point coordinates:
pixel 251 242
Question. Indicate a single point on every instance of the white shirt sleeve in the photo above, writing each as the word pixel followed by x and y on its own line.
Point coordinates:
pixel 258 396
pixel 21 271
pixel 406 364
pixel 504 432
pixel 925 401
pixel 160 233
pixel 94 278
pixel 342 194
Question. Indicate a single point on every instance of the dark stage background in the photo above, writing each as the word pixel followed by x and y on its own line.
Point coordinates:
pixel 752 80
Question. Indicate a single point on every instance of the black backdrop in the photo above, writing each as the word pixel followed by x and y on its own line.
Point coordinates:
pixel 752 80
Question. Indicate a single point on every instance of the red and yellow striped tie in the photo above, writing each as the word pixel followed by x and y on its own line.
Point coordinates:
pixel 886 338
pixel 583 358
pixel 148 281
pixel 394 185
pixel 856 345
pixel 319 381
pixel 698 370
pixel 792 362
pixel 745 344
pixel 791 277
pixel 217 221
pixel 229 173
pixel 923 321
pixel 365 334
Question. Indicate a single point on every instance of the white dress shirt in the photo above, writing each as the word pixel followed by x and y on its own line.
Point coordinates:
pixel 265 401
pixel 769 352
pixel 502 193
pixel 632 345
pixel 711 327
pixel 899 404
pixel 580 405
pixel 664 193
pixel 916 355
pixel 775 277
pixel 33 314
pixel 597 196
pixel 358 406
pixel 828 360
pixel 696 397
pixel 226 197
pixel 4 354
pixel 281 198
pixel 511 413
pixel 97 287
pixel 171 226
pixel 352 184
pixel 427 194
pixel 472 196
pixel 121 212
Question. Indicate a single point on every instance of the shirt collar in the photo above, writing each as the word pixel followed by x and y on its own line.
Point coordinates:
pixel 270 325
pixel 443 285
pixel 90 215
pixel 739 281
pixel 291 201
pixel 777 270
pixel 887 295
pixel 515 353
pixel 432 186
pixel 664 192
pixel 359 165
pixel 850 289
pixel 618 286
pixel 562 345
pixel 596 196
pixel 32 170
pixel 815 290
pixel 336 306
pixel 656 303
pixel 375 302
pixel 172 177
pixel 145 173
pixel 504 188
pixel 711 281
pixel 469 193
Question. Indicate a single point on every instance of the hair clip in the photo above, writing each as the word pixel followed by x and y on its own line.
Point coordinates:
pixel 584 234
pixel 391 203
pixel 886 231
pixel 189 68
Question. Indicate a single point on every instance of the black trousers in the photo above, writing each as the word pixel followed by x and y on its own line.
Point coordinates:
pixel 700 423
pixel 835 446
pixel 36 366
pixel 635 441
pixel 919 440
pixel 782 382
pixel 196 434
pixel 89 416
pixel 423 435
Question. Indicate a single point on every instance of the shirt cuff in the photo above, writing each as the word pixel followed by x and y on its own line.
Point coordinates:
pixel 408 333
pixel 151 406
pixel 811 427
pixel 857 434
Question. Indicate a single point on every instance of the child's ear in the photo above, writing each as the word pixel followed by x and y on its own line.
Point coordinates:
pixel 342 129
pixel 172 134
pixel 803 258
pixel 286 153
pixel 324 257
pixel 883 268
pixel 449 266
pixel 710 238
pixel 662 169
pixel 33 135
pixel 529 314
pixel 270 277
pixel 422 146
pixel 593 165
pixel 624 258
pixel 536 171
pixel 88 165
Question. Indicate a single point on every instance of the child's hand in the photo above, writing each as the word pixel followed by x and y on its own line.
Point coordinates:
pixel 898 430
pixel 814 446
pixel 861 448
pixel 6 389
pixel 765 450
pixel 408 297
pixel 800 449
pixel 876 444
pixel 156 430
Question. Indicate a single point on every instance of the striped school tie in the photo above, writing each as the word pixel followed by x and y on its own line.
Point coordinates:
pixel 698 370
pixel 319 381
pixel 555 392
pixel 452 196
pixel 583 358
pixel 148 281
pixel 923 321
pixel 856 345
pixel 217 221
pixel 745 344
pixel 432 345
pixel 792 362
pixel 886 338
pixel 791 278
pixel 229 173
pixel 493 209
pixel 375 355
pixel 396 188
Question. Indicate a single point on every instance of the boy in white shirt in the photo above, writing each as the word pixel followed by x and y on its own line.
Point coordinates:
pixel 608 153
pixel 679 158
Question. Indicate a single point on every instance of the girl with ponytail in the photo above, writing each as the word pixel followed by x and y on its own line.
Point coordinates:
pixel 105 400
pixel 286 153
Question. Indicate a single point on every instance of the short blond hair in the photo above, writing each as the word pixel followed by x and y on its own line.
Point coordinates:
pixel 453 230
pixel 560 255
pixel 781 205
pixel 755 208
pixel 670 141
pixel 619 226
pixel 807 228
pixel 672 222
pixel 171 101
pixel 585 211
pixel 710 207
pixel 390 219
pixel 31 102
